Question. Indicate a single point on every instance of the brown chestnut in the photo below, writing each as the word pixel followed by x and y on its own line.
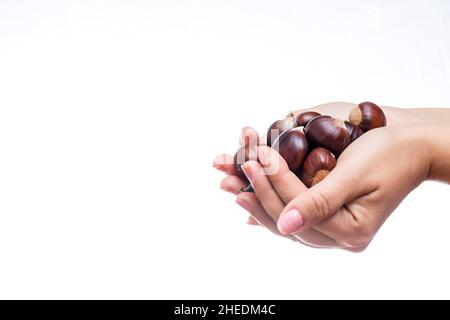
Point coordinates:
pixel 292 146
pixel 280 126
pixel 317 166
pixel 248 188
pixel 353 131
pixel 329 133
pixel 302 119
pixel 367 116
pixel 243 154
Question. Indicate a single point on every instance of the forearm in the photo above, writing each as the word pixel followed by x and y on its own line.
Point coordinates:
pixel 436 116
pixel 417 116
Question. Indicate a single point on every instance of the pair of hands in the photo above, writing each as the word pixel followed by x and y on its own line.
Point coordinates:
pixel 345 210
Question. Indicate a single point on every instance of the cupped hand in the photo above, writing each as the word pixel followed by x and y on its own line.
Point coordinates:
pixel 250 202
pixel 346 209
pixel 371 178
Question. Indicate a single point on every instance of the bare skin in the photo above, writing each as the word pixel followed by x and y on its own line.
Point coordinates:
pixel 372 177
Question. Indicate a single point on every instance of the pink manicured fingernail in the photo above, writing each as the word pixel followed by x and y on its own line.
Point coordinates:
pixel 247 171
pixel 225 187
pixel 290 222
pixel 263 156
pixel 219 161
pixel 243 204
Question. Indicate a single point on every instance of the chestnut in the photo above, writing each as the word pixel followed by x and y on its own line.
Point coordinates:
pixel 248 188
pixel 243 154
pixel 329 133
pixel 353 131
pixel 367 116
pixel 317 166
pixel 279 127
pixel 302 119
pixel 292 146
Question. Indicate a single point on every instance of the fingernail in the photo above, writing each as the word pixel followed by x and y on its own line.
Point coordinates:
pixel 225 187
pixel 248 171
pixel 243 204
pixel 263 156
pixel 290 222
pixel 219 161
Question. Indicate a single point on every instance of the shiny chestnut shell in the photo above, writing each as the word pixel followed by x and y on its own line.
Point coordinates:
pixel 292 146
pixel 280 126
pixel 329 133
pixel 302 119
pixel 367 115
pixel 353 131
pixel 243 154
pixel 317 166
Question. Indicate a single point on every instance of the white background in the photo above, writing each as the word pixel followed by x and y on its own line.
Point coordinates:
pixel 111 113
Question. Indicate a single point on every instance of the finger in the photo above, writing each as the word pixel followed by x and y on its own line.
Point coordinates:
pixel 286 184
pixel 249 135
pixel 321 201
pixel 225 163
pixel 269 199
pixel 316 239
pixel 272 206
pixel 311 238
pixel 252 222
pixel 250 202
pixel 232 184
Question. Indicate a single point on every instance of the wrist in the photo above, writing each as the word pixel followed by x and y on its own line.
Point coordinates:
pixel 416 141
pixel 428 150
pixel 427 131
pixel 438 140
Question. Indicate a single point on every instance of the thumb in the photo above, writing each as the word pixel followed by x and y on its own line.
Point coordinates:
pixel 319 203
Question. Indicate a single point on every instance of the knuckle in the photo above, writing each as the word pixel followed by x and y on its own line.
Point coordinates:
pixel 272 212
pixel 320 205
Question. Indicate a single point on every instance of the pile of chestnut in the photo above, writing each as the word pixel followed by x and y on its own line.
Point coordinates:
pixel 310 142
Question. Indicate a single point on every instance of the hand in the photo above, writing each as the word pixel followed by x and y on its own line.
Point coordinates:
pixel 249 201
pixel 371 178
pixel 347 208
